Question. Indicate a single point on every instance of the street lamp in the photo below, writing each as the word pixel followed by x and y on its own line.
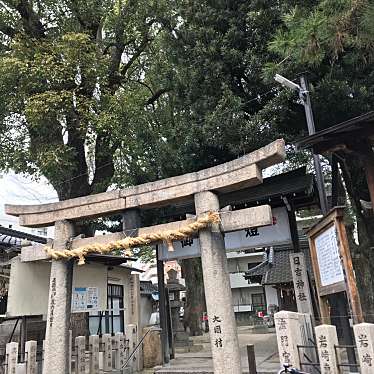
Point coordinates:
pixel 304 96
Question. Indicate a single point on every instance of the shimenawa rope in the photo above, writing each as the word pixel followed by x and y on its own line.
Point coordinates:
pixel 142 240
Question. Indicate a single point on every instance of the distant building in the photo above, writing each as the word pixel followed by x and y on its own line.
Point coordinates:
pixel 274 275
pixel 11 222
pixel 246 296
pixel 264 252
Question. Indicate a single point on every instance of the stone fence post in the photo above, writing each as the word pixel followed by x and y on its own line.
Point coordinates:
pixel 11 358
pixel 94 344
pixel 289 336
pixel 364 334
pixel 30 350
pixel 80 349
pixel 119 346
pixel 327 339
pixel 107 343
pixel 132 336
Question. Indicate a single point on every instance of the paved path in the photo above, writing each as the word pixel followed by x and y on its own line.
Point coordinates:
pixel 265 349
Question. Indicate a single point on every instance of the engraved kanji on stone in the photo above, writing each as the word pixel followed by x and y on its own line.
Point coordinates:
pixel 363 340
pixel 216 319
pixel 284 341
pixel 367 359
pixel 286 356
pixel 327 367
pixel 217 329
pixel 325 355
pixel 322 341
pixel 218 343
pixel 300 284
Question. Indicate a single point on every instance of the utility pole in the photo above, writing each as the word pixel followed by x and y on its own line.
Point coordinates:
pixel 303 91
pixel 305 98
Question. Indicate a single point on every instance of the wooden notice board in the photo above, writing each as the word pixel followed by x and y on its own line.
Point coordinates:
pixel 332 263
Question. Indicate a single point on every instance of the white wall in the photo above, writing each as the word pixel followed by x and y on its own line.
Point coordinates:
pixel 28 288
pixel 240 264
pixel 271 296
pixel 92 275
pixel 145 310
pixel 29 285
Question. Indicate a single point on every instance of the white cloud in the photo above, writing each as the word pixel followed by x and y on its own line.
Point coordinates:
pixel 18 189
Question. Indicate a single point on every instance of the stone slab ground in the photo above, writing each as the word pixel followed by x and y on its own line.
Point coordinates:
pixel 201 362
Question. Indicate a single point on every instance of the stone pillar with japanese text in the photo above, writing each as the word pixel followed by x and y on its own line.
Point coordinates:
pixel 57 345
pixel 301 284
pixel 135 315
pixel 288 327
pixel 222 324
pixel 364 334
pixel 327 339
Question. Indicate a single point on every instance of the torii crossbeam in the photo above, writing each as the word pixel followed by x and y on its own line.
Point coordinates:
pixel 203 188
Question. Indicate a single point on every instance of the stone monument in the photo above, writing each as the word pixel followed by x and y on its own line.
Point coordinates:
pixel 180 337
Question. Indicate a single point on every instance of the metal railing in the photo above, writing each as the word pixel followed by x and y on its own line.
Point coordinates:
pixel 131 355
pixel 349 365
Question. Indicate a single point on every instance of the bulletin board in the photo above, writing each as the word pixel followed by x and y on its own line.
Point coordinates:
pixel 332 262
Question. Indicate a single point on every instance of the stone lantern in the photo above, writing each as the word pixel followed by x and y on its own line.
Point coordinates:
pixel 181 338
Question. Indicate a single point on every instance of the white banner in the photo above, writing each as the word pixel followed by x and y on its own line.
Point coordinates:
pixel 267 236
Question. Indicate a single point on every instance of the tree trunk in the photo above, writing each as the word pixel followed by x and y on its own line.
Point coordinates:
pixel 195 296
pixel 362 254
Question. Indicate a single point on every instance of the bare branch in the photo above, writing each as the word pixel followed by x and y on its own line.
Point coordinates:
pixel 143 45
pixel 156 96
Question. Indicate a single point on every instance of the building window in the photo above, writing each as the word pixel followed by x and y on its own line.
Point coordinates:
pixel 111 320
pixel 251 265
pixel 258 302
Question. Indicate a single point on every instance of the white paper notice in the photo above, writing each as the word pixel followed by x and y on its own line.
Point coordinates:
pixel 328 257
pixel 85 299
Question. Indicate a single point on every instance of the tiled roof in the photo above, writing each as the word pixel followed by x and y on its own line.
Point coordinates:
pixel 147 288
pixel 276 269
pixel 295 184
pixel 10 238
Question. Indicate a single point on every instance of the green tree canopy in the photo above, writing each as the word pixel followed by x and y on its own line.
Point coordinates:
pixel 74 84
pixel 333 41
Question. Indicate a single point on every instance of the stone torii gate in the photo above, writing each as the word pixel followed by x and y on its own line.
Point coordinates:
pixel 204 188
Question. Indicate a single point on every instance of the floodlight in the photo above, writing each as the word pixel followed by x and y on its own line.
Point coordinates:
pixel 287 83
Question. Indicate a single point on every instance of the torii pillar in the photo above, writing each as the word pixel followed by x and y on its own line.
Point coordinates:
pixel 57 344
pixel 222 324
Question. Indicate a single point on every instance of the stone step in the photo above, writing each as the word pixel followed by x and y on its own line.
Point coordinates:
pixel 191 349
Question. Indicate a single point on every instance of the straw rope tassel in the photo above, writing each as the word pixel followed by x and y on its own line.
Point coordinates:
pixel 142 240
